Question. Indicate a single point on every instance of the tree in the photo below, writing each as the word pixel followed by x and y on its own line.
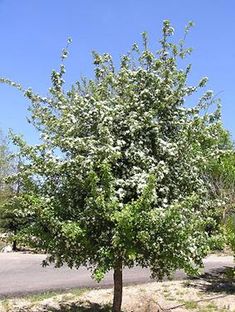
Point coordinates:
pixel 11 218
pixel 4 164
pixel 5 169
pixel 117 179
pixel 230 231
pixel 221 173
pixel 222 176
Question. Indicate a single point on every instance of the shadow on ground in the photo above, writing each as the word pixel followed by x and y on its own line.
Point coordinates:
pixel 217 281
pixel 80 307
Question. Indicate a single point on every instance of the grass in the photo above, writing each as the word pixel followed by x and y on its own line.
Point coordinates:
pixel 212 307
pixel 76 292
pixel 179 293
pixel 41 296
pixel 190 305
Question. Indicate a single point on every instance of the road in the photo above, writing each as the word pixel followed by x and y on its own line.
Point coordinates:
pixel 22 273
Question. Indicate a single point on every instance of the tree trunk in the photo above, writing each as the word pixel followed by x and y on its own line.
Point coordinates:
pixel 117 297
pixel 14 246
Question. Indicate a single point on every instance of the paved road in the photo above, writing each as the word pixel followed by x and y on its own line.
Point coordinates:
pixel 23 273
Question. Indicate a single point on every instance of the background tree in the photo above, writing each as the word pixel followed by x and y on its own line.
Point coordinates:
pixel 230 232
pixel 4 165
pixel 11 217
pixel 5 169
pixel 221 173
pixel 118 177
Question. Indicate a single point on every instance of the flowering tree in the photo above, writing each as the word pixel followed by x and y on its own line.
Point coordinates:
pixel 117 179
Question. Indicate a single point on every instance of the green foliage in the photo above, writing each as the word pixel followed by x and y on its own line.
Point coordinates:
pixel 12 217
pixel 118 175
pixel 221 175
pixel 230 232
pixel 5 167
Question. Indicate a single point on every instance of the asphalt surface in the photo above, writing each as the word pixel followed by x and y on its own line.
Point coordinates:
pixel 22 274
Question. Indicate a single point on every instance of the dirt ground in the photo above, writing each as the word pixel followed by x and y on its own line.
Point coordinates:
pixel 170 296
pixel 210 294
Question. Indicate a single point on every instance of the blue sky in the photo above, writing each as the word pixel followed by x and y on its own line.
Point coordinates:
pixel 33 33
